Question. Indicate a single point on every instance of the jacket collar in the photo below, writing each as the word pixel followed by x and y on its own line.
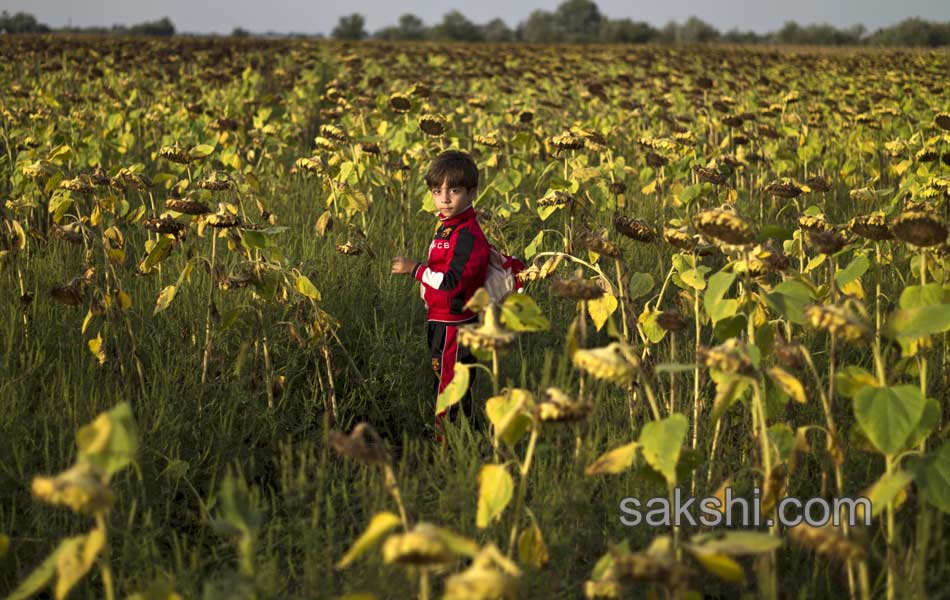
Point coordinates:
pixel 465 215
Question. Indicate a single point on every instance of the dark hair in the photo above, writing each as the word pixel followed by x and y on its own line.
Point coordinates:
pixel 455 167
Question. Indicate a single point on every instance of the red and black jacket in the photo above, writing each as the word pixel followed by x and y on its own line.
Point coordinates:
pixel 456 268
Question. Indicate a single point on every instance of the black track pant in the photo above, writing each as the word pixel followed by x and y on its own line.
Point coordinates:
pixel 445 352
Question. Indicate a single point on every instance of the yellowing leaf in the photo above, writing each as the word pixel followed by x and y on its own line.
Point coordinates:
pixel 306 287
pixel 648 188
pixel 75 560
pixel 601 309
pixel 789 384
pixel 165 298
pixel 507 414
pixel 615 461
pixel 95 346
pixel 454 391
pixel 381 524
pixel 125 301
pixel 531 548
pixel 495 489
pixel 4 544
pixel 719 565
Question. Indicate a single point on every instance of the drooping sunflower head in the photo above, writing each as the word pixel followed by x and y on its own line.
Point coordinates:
pixel 567 141
pixel 557 407
pixel 400 102
pixel 635 229
pixel 599 244
pixel 83 488
pixel 827 242
pixel 871 226
pixel 175 154
pixel 724 226
pixel 612 363
pixel 187 207
pixel 420 547
pixel 920 228
pixel 679 238
pixel 783 189
pixel 432 125
pixel 942 120
pixel 333 132
pixel 814 223
pixel 489 335
pixel 838 321
pixel 729 357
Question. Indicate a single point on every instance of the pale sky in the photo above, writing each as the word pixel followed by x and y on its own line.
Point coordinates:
pixel 320 16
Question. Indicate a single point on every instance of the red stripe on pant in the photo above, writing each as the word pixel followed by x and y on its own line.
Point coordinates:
pixel 446 371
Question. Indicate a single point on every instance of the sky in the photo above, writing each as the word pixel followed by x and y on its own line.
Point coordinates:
pixel 320 16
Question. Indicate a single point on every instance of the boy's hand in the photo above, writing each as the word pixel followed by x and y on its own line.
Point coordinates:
pixel 403 265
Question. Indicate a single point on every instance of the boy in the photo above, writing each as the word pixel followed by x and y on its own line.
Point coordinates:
pixel 456 268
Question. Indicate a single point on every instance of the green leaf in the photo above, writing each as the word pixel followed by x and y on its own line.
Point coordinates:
pixel 915 296
pixel 695 278
pixel 662 442
pixel 306 287
pixel 640 285
pixel 789 299
pixel 615 461
pixel 855 269
pixel 852 379
pixel 717 307
pixel 601 308
pixel 157 252
pixel 201 151
pixel 783 439
pixel 495 489
pixel 381 524
pixel 532 248
pixel 888 415
pixel 932 474
pixel 454 391
pixel 519 312
pixel 111 441
pixel 928 422
pixel 165 298
pixel 918 322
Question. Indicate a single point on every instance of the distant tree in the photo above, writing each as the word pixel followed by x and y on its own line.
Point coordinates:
pixel 456 27
pixel 912 32
pixel 734 36
pixel 162 27
pixel 21 22
pixel 579 21
pixel 410 27
pixel 350 27
pixel 240 32
pixel 697 31
pixel 625 31
pixel 540 26
pixel 496 30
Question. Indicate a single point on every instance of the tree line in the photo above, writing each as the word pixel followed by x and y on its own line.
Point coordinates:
pixel 582 21
pixel 577 21
pixel 22 22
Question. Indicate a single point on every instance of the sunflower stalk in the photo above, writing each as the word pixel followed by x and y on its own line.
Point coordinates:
pixel 525 467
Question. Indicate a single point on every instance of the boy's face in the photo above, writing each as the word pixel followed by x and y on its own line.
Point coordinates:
pixel 451 201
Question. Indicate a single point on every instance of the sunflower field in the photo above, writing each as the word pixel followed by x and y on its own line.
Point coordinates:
pixel 211 386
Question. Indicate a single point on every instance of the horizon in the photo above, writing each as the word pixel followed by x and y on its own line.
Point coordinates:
pixel 222 18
